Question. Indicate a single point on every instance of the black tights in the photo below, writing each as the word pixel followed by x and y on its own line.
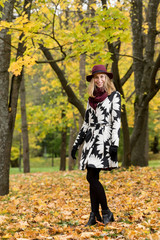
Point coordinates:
pixel 97 194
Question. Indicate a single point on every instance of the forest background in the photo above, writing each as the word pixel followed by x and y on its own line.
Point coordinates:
pixel 47 49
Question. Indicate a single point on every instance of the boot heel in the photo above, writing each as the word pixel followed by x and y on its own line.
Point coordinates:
pixel 107 216
pixel 92 220
pixel 112 218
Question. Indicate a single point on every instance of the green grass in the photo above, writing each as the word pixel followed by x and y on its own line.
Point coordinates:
pixel 38 162
pixel 154 163
pixel 154 160
pixel 41 164
pixel 33 170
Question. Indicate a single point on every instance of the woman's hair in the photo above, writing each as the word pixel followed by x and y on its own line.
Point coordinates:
pixel 108 86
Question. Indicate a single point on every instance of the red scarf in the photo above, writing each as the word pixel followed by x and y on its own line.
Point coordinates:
pixel 100 95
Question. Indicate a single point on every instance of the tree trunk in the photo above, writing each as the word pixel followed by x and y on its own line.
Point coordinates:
pixel 82 91
pixel 15 83
pixel 63 149
pixel 26 163
pixel 126 139
pixel 72 136
pixel 114 48
pixel 139 153
pixel 8 119
pixel 20 153
pixel 5 50
pixel 143 66
pixel 82 83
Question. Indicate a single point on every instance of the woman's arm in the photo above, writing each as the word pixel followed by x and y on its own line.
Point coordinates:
pixel 116 121
pixel 82 133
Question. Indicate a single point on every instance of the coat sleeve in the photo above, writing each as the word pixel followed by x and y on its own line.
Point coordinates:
pixel 116 119
pixel 82 133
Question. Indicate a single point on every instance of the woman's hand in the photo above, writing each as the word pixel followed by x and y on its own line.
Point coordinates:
pixel 73 152
pixel 113 153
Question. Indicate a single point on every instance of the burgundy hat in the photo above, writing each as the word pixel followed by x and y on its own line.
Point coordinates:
pixel 99 69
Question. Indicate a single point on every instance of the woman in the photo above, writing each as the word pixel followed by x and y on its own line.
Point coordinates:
pixel 100 134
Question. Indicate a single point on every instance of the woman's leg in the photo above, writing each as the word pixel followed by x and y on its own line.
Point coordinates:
pixel 93 174
pixel 97 193
pixel 97 196
pixel 94 215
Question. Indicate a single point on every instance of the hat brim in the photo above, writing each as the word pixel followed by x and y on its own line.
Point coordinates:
pixel 89 77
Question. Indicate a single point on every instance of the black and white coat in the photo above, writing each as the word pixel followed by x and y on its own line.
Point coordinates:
pixel 100 130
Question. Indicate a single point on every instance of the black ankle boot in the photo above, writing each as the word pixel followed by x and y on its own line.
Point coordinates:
pixel 107 216
pixel 98 217
pixel 92 220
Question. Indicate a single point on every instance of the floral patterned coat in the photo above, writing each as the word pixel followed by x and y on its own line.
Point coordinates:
pixel 100 130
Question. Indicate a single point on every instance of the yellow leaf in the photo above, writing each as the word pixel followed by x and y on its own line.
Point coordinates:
pixel 86 235
pixel 7 236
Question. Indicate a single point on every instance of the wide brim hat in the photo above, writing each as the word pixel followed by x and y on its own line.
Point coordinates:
pixel 99 69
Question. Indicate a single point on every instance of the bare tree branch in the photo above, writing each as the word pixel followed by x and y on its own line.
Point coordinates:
pixel 51 61
pixel 131 56
pixel 72 98
pixel 127 99
pixel 154 72
pixel 152 93
pixel 127 75
pixel 9 43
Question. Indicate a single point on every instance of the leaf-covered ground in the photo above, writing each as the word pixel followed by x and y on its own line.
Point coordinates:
pixel 57 206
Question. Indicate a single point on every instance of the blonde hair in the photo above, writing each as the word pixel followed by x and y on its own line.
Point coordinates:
pixel 108 86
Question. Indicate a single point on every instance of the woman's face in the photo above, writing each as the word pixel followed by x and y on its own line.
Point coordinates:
pixel 99 79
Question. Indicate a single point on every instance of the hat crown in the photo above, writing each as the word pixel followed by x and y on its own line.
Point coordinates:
pixel 98 68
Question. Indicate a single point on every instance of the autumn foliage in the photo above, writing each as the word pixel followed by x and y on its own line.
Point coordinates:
pixel 56 206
